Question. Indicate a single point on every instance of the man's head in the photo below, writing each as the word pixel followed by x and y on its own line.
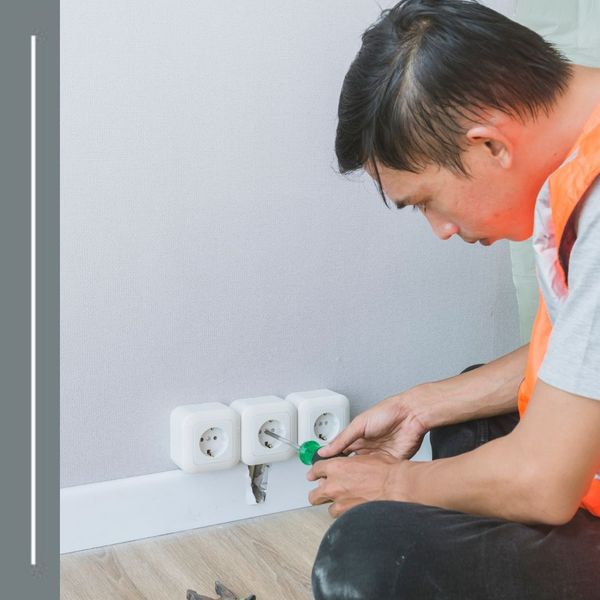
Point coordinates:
pixel 435 108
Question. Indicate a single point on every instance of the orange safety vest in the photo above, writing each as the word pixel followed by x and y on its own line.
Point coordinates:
pixel 564 189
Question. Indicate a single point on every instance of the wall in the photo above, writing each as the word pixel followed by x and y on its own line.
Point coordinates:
pixel 209 249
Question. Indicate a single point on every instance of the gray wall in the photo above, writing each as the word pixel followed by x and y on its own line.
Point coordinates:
pixel 209 249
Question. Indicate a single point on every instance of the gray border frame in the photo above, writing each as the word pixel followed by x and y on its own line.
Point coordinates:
pixel 18 21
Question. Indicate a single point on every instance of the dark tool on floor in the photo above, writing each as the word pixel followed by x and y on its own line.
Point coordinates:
pixel 307 452
pixel 222 592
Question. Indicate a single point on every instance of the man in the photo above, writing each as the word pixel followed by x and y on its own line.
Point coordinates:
pixel 487 130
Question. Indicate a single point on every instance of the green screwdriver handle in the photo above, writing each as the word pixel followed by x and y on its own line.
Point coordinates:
pixel 308 453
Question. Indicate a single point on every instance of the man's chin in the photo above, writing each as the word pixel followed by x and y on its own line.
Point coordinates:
pixel 521 236
pixel 482 241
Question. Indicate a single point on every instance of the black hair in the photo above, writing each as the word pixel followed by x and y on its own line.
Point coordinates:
pixel 425 70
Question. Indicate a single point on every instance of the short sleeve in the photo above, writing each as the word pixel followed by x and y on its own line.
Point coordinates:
pixel 572 360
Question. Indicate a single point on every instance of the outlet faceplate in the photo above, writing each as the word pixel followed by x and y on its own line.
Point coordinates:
pixel 205 437
pixel 326 427
pixel 213 442
pixel 322 414
pixel 259 414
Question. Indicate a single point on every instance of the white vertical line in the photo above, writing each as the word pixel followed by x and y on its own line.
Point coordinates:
pixel 33 305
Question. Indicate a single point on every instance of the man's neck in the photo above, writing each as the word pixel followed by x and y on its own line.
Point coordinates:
pixel 556 133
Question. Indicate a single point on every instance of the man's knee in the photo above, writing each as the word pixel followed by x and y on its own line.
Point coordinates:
pixel 360 557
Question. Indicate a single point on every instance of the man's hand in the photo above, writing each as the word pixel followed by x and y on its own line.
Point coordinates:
pixel 396 426
pixel 391 427
pixel 349 481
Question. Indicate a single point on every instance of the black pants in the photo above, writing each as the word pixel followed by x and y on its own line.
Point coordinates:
pixel 400 550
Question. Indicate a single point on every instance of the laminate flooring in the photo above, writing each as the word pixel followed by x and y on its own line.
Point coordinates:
pixel 270 556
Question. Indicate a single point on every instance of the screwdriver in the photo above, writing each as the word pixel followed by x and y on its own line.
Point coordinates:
pixel 307 452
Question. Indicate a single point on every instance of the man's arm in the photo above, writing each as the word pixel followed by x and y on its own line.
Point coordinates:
pixel 484 392
pixel 536 474
pixel 397 424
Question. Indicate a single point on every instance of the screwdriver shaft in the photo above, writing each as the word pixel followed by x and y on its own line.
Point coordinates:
pixel 282 439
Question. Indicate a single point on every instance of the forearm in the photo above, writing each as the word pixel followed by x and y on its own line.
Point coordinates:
pixel 493 480
pixel 484 392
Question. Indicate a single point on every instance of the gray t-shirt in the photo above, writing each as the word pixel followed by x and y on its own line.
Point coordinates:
pixel 572 361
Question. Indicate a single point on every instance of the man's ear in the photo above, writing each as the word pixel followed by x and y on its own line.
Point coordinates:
pixel 496 143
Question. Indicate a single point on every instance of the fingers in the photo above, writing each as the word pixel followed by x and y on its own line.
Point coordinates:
pixel 339 507
pixel 330 489
pixel 321 468
pixel 318 495
pixel 353 432
pixel 322 492
pixel 363 444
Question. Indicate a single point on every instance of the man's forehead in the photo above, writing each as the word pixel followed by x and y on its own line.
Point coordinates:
pixel 389 175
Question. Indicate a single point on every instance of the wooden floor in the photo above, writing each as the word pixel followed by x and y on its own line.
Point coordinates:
pixel 269 556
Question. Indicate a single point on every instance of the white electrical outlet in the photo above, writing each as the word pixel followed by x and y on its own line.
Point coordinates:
pixel 261 414
pixel 205 437
pixel 322 414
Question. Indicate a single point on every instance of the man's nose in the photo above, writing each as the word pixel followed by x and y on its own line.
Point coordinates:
pixel 443 228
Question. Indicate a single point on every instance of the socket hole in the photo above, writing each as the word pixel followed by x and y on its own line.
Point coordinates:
pixel 327 426
pixel 266 440
pixel 213 442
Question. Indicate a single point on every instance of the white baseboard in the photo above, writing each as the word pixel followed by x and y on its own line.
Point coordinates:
pixel 122 510
pixel 111 512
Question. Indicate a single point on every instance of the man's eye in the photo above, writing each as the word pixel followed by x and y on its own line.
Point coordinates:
pixel 421 206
